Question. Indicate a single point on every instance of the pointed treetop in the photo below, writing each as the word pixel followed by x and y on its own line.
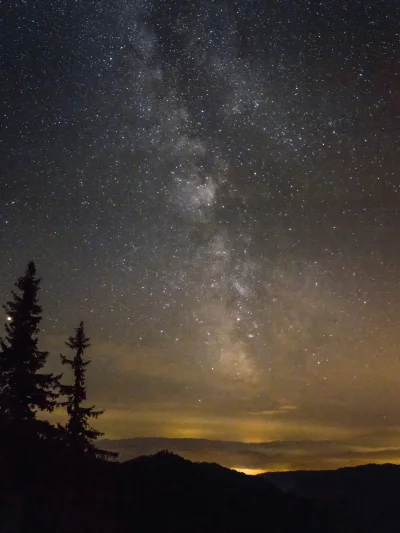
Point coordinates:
pixel 80 434
pixel 31 270
pixel 79 341
pixel 29 277
pixel 24 389
pixel 24 308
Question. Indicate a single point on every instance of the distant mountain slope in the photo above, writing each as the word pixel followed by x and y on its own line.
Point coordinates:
pixel 208 497
pixel 372 482
pixel 166 493
pixel 363 498
pixel 163 492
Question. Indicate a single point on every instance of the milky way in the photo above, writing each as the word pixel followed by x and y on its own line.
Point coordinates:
pixel 213 187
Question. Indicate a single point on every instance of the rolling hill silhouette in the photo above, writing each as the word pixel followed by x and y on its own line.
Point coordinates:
pixel 164 492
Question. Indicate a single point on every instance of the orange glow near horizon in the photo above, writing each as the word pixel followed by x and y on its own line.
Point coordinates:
pixel 249 471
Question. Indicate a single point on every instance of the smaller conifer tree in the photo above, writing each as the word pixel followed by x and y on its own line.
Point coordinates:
pixel 80 434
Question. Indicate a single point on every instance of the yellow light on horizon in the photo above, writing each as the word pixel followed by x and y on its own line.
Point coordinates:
pixel 250 471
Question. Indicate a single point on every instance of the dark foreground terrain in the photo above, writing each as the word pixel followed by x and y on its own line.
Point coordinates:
pixel 367 497
pixel 165 493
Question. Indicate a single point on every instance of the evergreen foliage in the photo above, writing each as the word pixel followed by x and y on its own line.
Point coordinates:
pixel 24 389
pixel 80 434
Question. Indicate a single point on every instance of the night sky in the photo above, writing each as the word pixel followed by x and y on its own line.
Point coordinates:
pixel 213 187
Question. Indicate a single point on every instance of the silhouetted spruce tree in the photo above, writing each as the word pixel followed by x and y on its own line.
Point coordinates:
pixel 24 390
pixel 79 433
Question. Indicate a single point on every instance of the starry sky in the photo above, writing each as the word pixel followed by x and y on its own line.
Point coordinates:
pixel 213 187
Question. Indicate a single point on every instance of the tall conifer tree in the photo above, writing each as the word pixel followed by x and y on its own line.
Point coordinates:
pixel 79 432
pixel 24 390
